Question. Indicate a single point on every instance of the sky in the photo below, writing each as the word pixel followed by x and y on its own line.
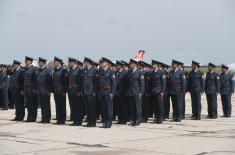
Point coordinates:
pixel 185 30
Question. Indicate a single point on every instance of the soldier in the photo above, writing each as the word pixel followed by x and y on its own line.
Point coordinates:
pixel 158 88
pixel 196 86
pixel 212 88
pixel 146 98
pixel 43 90
pixel 181 66
pixel 226 90
pixel 17 79
pixel 75 92
pixel 136 87
pixel 106 90
pixel 121 91
pixel 60 83
pixel 29 91
pixel 4 86
pixel 10 70
pixel 166 96
pixel 176 90
pixel 89 91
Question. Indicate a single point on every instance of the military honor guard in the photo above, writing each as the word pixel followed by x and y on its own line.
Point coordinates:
pixel 136 85
pixel 59 88
pixel 43 89
pixel 212 89
pixel 89 91
pixel 121 92
pixel 106 90
pixel 17 81
pixel 29 90
pixel 4 86
pixel 166 96
pixel 181 66
pixel 196 86
pixel 176 90
pixel 147 111
pixel 226 90
pixel 75 92
pixel 158 88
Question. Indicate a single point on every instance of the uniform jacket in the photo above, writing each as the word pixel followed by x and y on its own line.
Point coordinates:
pixel 136 83
pixel 17 80
pixel 122 82
pixel 75 77
pixel 4 80
pixel 30 79
pixel 60 80
pixel 226 83
pixel 44 80
pixel 106 82
pixel 196 82
pixel 90 81
pixel 157 82
pixel 212 85
pixel 176 82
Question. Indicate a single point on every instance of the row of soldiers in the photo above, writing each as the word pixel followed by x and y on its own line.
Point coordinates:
pixel 133 91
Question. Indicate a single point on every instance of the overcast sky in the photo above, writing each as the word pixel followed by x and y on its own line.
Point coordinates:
pixel 203 30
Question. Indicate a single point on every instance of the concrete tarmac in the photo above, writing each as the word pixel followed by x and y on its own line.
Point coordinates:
pixel 207 136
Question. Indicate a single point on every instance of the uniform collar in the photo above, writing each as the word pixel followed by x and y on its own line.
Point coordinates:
pixel 29 66
pixel 43 66
pixel 17 68
pixel 88 67
pixel 177 69
pixel 120 70
pixel 133 70
pixel 74 67
pixel 106 68
pixel 59 67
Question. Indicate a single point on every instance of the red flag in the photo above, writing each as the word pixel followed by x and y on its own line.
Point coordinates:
pixel 139 56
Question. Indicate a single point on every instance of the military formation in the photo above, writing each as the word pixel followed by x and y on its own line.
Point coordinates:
pixel 133 91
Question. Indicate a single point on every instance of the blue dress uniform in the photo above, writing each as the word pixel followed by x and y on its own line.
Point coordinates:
pixel 11 102
pixel 4 86
pixel 30 80
pixel 212 87
pixel 60 85
pixel 106 86
pixel 43 90
pixel 136 85
pixel 183 98
pixel 176 89
pixel 89 91
pixel 120 93
pixel 166 96
pixel 75 100
pixel 226 89
pixel 16 86
pixel 126 98
pixel 147 110
pixel 158 86
pixel 196 86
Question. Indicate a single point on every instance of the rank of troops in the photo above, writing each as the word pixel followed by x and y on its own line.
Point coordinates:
pixel 127 91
